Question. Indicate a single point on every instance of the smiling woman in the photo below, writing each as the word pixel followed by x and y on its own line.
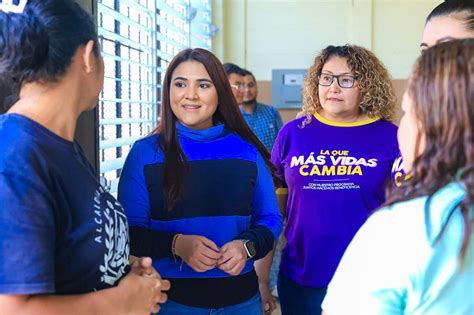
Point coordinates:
pixel 193 96
pixel 199 194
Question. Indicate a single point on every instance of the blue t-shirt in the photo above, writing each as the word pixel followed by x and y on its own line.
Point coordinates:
pixel 60 231
pixel 394 266
pixel 265 122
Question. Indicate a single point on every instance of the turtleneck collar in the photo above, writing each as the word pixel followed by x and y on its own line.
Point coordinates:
pixel 213 133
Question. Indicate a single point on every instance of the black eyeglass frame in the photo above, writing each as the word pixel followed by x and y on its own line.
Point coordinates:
pixel 318 77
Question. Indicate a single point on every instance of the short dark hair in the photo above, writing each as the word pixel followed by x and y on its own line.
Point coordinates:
pixel 39 44
pixel 455 6
pixel 247 72
pixel 233 68
pixel 9 94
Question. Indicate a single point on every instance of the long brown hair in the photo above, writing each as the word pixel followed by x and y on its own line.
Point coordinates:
pixel 442 90
pixel 176 164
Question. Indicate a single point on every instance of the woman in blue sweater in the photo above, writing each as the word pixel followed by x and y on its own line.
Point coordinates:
pixel 199 195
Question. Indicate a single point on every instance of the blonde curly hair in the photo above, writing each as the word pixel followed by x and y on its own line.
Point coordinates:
pixel 378 98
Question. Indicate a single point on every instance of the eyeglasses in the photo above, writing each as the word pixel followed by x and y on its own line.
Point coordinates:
pixel 344 80
pixel 237 86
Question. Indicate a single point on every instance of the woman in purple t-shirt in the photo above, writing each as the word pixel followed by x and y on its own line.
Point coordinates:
pixel 335 161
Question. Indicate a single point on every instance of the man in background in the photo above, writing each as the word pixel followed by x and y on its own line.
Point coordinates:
pixel 264 120
pixel 236 79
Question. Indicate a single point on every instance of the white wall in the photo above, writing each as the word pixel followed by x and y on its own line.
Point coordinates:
pixel 265 34
pixel 397 28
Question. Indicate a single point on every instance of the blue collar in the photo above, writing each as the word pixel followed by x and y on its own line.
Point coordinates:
pixel 256 108
pixel 213 133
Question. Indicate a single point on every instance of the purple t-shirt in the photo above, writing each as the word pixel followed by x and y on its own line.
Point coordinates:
pixel 398 171
pixel 336 174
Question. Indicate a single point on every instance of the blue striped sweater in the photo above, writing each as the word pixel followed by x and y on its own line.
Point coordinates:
pixel 229 194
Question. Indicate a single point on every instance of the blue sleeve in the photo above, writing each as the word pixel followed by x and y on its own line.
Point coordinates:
pixel 278 121
pixel 277 159
pixel 132 189
pixel 133 195
pixel 265 205
pixel 266 222
pixel 27 237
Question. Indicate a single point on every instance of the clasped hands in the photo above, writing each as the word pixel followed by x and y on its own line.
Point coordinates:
pixel 202 254
pixel 144 287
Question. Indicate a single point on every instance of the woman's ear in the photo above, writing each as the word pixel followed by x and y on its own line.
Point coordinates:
pixel 89 57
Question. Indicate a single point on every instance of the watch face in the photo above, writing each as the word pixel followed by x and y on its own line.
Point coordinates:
pixel 250 249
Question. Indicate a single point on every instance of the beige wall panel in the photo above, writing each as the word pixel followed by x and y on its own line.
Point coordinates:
pixel 262 35
pixel 397 31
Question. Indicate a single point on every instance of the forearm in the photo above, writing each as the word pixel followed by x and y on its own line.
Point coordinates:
pixel 266 220
pixel 262 267
pixel 282 199
pixel 108 301
pixel 262 237
pixel 148 243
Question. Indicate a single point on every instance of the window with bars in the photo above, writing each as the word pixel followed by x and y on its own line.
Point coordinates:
pixel 138 40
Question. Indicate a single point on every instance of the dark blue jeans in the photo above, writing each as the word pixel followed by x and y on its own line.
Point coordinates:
pixel 296 299
pixel 252 306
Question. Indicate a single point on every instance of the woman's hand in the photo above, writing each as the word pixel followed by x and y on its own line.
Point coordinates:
pixel 143 267
pixel 199 252
pixel 139 292
pixel 268 302
pixel 233 257
pixel 143 288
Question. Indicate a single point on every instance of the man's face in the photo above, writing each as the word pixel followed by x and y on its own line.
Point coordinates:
pixel 237 84
pixel 250 89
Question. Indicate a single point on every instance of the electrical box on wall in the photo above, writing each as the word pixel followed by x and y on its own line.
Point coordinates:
pixel 287 85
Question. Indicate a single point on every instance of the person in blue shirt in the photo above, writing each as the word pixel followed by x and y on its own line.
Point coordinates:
pixel 64 242
pixel 416 255
pixel 199 194
pixel 264 120
pixel 236 79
